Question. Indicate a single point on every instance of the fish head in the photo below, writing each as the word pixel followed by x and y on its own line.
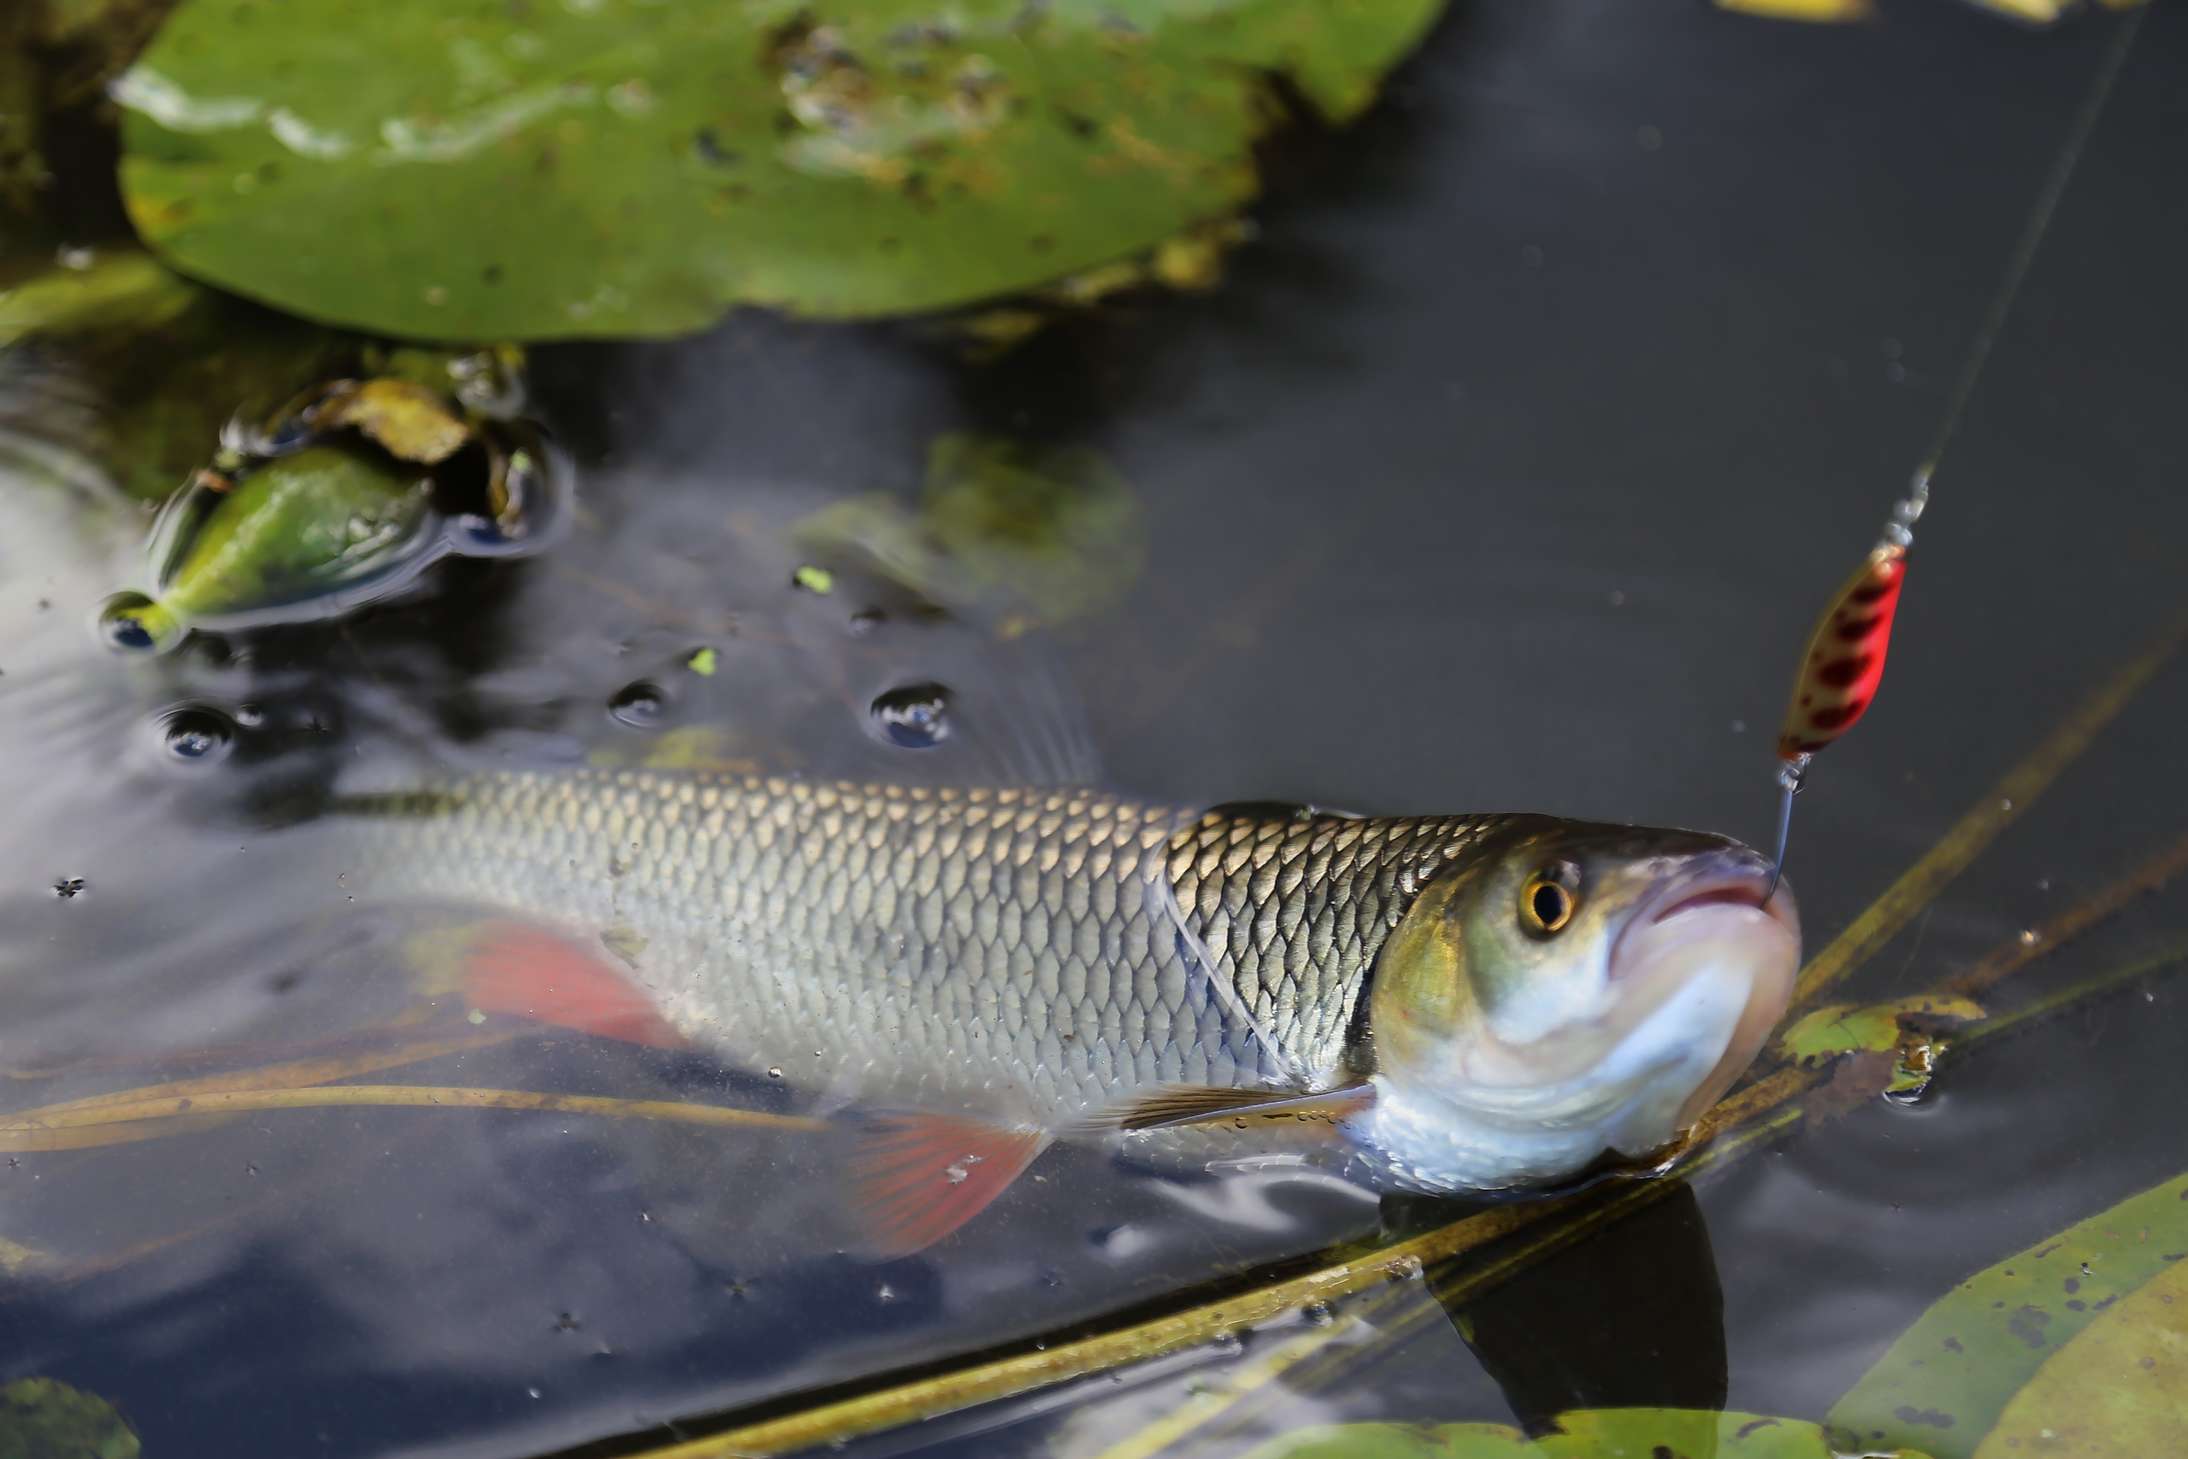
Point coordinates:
pixel 1563 990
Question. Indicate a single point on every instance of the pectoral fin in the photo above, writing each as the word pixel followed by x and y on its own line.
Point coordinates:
pixel 918 1177
pixel 1171 1106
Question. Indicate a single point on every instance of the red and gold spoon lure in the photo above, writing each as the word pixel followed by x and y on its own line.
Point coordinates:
pixel 1844 664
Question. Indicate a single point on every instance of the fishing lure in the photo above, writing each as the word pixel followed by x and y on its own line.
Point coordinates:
pixel 1844 662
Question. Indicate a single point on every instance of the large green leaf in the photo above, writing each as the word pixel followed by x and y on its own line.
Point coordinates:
pixel 476 169
pixel 1951 1379
pixel 44 1419
pixel 2117 1391
pixel 1615 1433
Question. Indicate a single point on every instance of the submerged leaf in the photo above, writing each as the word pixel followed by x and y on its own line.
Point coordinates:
pixel 464 169
pixel 1042 535
pixel 41 1418
pixel 1950 1378
pixel 1613 1433
pixel 120 289
pixel 136 370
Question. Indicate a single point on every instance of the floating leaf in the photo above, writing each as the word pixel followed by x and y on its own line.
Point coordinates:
pixel 814 579
pixel 41 1418
pixel 2117 1391
pixel 411 421
pixel 466 169
pixel 298 528
pixel 703 662
pixel 1043 534
pixel 1879 1028
pixel 1951 1377
pixel 1614 1433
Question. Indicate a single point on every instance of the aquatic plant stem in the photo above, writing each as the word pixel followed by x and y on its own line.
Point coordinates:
pixel 33 1129
pixel 2153 873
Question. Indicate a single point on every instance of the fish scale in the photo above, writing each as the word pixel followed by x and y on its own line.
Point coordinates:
pixel 1005 951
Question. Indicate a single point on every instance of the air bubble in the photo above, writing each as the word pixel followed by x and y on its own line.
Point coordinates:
pixel 914 716
pixel 197 735
pixel 640 705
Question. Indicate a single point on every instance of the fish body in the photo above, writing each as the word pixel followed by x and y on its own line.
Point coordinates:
pixel 1033 960
pixel 1035 953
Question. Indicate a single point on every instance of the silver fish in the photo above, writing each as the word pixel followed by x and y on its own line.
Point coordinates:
pixel 1469 1002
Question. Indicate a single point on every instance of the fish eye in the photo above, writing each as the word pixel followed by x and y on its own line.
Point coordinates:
pixel 1549 899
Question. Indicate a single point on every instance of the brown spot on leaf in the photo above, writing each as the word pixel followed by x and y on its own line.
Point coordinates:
pixel 2028 1324
pixel 1907 1413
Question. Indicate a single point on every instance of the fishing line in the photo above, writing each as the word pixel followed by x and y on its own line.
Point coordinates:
pixel 1844 659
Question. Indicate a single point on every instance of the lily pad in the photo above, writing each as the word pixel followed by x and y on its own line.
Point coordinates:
pixel 41 1418
pixel 2117 1391
pixel 1616 1433
pixel 1952 1378
pixel 469 169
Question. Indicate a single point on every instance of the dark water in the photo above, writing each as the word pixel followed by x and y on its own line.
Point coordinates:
pixel 1503 472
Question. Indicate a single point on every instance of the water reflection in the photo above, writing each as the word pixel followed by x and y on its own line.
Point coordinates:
pixel 1630 1316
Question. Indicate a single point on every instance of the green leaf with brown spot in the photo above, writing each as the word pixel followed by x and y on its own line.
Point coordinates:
pixel 1613 1433
pixel 470 169
pixel 1953 1378
pixel 41 1418
pixel 1846 1028
pixel 2119 1390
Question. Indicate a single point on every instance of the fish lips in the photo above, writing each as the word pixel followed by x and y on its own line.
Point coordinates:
pixel 1721 922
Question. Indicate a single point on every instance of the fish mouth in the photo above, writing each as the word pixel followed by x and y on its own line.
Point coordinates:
pixel 1739 879
pixel 1737 911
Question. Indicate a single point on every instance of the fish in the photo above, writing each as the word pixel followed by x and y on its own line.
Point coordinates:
pixel 1464 1003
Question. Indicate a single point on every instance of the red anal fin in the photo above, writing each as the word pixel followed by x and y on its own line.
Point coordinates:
pixel 917 1177
pixel 1173 1105
pixel 512 968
